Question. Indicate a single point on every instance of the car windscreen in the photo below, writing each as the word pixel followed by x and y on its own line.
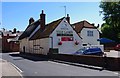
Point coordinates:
pixel 81 50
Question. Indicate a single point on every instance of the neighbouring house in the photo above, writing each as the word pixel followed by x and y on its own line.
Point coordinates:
pixel 58 37
pixel 88 32
pixel 10 41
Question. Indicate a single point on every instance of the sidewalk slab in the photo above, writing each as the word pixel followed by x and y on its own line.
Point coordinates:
pixel 8 69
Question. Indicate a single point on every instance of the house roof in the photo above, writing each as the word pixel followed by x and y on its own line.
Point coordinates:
pixel 13 39
pixel 83 24
pixel 49 28
pixel 5 33
pixel 29 29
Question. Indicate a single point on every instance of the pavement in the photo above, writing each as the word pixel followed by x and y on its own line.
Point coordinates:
pixel 113 53
pixel 8 69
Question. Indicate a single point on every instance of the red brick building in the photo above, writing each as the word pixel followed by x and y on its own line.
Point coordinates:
pixel 10 40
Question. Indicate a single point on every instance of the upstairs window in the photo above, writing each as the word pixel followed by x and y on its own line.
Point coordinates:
pixel 90 33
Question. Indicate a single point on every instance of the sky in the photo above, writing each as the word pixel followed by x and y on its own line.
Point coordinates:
pixel 17 14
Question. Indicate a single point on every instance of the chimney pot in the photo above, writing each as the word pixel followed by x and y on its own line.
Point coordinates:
pixel 7 36
pixel 14 30
pixel 93 24
pixel 42 12
pixel 67 15
pixel 98 25
pixel 68 18
pixel 31 20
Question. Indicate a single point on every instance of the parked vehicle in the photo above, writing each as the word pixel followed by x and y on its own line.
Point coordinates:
pixel 117 47
pixel 89 51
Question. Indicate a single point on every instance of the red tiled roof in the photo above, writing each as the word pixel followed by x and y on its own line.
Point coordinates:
pixel 83 24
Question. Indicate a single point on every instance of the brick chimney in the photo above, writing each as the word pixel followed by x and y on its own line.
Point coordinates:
pixel 31 20
pixel 7 36
pixel 68 18
pixel 42 20
pixel 93 24
pixel 14 30
pixel 98 25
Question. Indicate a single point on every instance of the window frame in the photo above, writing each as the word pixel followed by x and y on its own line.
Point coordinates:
pixel 90 33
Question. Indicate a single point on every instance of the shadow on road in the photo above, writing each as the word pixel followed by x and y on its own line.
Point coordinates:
pixel 15 55
pixel 43 58
pixel 29 57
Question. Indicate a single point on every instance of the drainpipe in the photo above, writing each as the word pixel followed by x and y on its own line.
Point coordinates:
pixel 49 53
pixel 51 42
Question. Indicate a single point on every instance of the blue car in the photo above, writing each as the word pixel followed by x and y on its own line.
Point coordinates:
pixel 89 51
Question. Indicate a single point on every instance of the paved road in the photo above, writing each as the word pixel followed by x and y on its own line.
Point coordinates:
pixel 7 69
pixel 49 68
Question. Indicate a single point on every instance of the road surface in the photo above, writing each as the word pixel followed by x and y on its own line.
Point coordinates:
pixel 44 67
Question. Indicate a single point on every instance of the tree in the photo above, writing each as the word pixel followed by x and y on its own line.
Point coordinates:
pixel 107 31
pixel 111 12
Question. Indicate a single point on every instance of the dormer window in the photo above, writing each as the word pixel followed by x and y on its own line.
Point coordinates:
pixel 90 33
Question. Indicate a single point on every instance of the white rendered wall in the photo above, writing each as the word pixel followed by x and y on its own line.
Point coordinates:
pixel 36 46
pixel 24 42
pixel 31 46
pixel 67 47
pixel 41 46
pixel 90 39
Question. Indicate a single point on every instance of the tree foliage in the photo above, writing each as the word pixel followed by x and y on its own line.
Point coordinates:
pixel 111 27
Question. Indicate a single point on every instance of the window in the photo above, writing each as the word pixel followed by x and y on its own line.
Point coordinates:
pixel 84 44
pixel 90 33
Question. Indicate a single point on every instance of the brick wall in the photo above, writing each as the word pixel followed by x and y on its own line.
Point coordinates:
pixel 14 47
pixel 9 46
pixel 112 63
pixel 5 44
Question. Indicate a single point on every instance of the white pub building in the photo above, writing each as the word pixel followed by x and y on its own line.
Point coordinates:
pixel 58 37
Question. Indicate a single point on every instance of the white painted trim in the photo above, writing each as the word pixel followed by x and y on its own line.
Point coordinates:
pixel 34 31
